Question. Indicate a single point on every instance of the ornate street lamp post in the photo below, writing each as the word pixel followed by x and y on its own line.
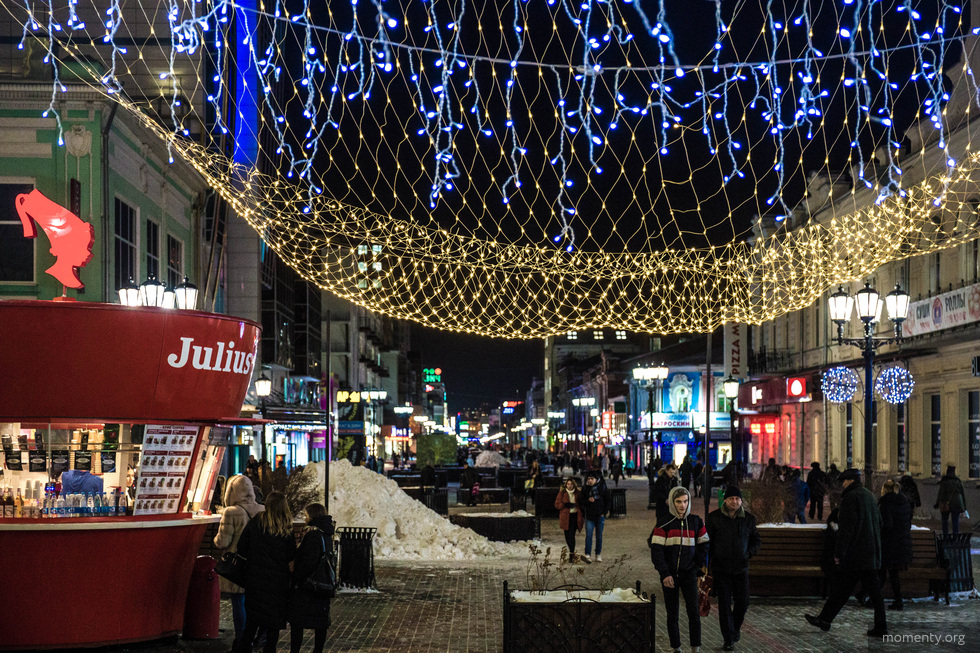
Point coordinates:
pixel 263 388
pixel 731 392
pixel 869 305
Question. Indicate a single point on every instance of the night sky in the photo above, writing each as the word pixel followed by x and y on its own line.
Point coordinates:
pixel 477 369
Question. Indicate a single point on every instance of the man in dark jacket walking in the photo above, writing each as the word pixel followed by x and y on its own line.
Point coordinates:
pixel 666 482
pixel 595 501
pixel 896 538
pixel 467 480
pixel 733 539
pixel 816 480
pixel 857 554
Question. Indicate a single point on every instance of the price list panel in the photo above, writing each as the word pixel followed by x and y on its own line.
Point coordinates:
pixel 165 460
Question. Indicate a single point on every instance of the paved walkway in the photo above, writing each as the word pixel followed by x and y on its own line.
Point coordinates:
pixel 441 606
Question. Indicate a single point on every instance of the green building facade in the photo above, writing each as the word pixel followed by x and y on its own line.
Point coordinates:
pixel 145 212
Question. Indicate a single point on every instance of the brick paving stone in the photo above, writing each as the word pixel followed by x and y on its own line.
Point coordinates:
pixel 430 607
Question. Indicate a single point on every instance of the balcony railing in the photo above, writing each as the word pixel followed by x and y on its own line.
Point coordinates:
pixel 770 360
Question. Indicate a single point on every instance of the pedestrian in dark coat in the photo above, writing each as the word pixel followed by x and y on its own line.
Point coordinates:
pixel 268 545
pixel 687 471
pixel 896 538
pixel 666 482
pixel 595 502
pixel 571 517
pixel 679 551
pixel 951 500
pixel 857 554
pixel 467 480
pixel 307 609
pixel 797 496
pixel 732 539
pixel 816 480
pixel 911 491
pixel 616 469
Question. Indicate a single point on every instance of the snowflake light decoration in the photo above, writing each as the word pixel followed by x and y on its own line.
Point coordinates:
pixel 894 385
pixel 839 384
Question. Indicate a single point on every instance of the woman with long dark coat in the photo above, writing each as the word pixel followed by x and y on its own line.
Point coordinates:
pixel 268 545
pixel 307 609
pixel 896 538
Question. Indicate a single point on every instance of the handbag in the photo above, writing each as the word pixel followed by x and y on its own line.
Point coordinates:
pixel 704 590
pixel 529 484
pixel 231 566
pixel 322 582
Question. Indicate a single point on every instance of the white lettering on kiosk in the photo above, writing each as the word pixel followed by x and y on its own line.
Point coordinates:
pixel 234 361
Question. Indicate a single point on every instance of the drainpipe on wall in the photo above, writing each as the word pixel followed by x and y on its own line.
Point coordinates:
pixel 106 206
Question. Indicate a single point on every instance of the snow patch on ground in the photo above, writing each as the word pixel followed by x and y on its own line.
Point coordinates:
pixel 407 530
pixel 491 459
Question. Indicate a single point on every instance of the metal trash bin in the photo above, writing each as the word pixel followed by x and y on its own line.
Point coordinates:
pixel 956 550
pixel 437 501
pixel 356 556
pixel 617 506
pixel 202 610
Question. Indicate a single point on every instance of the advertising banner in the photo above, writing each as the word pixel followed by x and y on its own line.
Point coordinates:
pixel 943 311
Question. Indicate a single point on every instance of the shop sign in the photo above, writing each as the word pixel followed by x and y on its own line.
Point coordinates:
pixel 608 419
pixel 943 311
pixel 120 363
pixel 753 395
pixel 762 424
pixel 671 421
pixel 719 421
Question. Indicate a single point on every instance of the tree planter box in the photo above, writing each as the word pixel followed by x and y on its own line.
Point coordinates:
pixel 501 527
pixel 572 619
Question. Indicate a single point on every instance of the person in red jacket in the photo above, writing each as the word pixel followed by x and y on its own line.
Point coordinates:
pixel 570 515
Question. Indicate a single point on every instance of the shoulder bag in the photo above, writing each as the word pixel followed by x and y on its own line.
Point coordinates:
pixel 231 565
pixel 322 582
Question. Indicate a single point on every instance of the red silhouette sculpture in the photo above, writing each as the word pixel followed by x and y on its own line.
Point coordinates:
pixel 71 239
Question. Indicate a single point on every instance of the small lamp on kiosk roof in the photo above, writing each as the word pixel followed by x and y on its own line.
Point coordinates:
pixel 186 295
pixel 129 294
pixel 151 292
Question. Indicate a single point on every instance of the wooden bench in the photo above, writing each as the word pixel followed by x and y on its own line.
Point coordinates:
pixel 789 564
pixel 487 495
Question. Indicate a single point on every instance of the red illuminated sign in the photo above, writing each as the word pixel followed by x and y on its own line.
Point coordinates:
pixel 766 425
pixel 71 239
pixel 796 387
pixel 512 404
pixel 607 419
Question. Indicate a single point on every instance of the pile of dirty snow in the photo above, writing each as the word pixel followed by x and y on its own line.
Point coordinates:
pixel 407 530
pixel 491 459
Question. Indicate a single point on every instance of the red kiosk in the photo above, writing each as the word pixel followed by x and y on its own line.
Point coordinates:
pixel 100 388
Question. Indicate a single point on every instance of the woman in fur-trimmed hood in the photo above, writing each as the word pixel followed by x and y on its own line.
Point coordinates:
pixel 240 507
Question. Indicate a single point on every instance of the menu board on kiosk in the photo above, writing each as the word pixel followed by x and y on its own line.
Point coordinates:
pixel 165 459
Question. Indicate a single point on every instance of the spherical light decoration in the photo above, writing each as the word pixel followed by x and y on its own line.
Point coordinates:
pixel 839 384
pixel 894 385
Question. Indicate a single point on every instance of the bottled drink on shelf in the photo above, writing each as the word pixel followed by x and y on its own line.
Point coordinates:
pixel 19 505
pixel 8 504
pixel 60 509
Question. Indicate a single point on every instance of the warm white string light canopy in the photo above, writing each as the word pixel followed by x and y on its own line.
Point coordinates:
pixel 524 169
